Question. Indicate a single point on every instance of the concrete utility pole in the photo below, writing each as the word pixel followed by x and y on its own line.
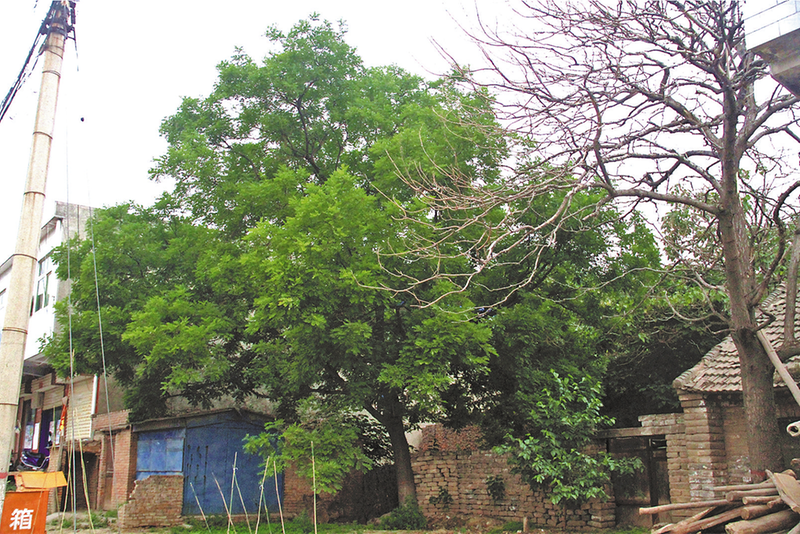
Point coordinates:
pixel 23 269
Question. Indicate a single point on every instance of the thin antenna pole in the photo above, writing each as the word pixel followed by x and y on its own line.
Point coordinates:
pixel 23 268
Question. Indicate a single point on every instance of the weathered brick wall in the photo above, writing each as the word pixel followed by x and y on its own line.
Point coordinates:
pixel 463 477
pixel 737 454
pixel 156 501
pixel 363 496
pixel 106 422
pixel 705 445
pixel 296 494
pixel 117 467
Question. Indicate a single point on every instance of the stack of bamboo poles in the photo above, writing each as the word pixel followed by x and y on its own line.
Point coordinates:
pixel 770 506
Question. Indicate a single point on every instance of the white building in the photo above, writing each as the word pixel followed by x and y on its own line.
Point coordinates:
pixel 43 395
pixel 772 30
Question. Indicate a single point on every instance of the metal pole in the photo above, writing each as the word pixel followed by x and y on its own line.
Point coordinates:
pixel 23 268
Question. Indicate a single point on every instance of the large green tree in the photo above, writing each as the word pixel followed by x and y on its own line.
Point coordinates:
pixel 259 273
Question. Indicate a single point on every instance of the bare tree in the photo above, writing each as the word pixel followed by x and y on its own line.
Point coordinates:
pixel 650 101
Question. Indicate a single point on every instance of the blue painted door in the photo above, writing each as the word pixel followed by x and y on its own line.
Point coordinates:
pixel 210 453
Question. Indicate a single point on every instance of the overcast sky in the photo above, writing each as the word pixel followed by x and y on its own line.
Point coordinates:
pixel 136 60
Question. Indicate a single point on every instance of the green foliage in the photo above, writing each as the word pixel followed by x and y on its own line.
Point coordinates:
pixel 265 270
pixel 405 517
pixel 442 498
pixel 654 345
pixel 324 451
pixel 304 523
pixel 511 526
pixel 557 455
pixel 496 487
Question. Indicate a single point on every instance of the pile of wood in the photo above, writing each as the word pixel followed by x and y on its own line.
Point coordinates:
pixel 771 506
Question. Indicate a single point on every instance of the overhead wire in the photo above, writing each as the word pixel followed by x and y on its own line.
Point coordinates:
pixel 31 60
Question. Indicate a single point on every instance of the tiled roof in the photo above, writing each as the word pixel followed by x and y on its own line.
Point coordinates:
pixel 718 371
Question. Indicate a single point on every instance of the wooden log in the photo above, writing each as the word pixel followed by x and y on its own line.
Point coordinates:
pixel 766 499
pixel 776 503
pixel 733 496
pixel 681 506
pixel 757 510
pixel 784 519
pixel 673 526
pixel 745 487
pixel 709 522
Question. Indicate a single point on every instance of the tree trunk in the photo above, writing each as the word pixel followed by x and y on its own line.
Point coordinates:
pixel 763 434
pixel 402 459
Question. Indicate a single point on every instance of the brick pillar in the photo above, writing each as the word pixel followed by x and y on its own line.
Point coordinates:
pixel 124 466
pixel 706 461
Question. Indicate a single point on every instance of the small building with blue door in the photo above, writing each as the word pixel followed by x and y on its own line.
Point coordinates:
pixel 207 449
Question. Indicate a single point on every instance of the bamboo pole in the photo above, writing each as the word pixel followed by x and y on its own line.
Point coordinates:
pixel 20 289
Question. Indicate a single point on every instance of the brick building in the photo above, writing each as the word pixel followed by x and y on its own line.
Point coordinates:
pixel 156 471
pixel 715 429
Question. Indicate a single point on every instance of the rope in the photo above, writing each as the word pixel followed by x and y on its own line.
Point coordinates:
pixel 71 446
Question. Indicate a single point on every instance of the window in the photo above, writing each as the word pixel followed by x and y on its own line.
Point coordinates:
pixel 41 296
pixel 159 453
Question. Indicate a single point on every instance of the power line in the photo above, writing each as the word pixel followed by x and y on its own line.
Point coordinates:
pixel 30 61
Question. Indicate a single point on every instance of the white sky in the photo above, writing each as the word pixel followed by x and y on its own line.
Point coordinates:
pixel 136 60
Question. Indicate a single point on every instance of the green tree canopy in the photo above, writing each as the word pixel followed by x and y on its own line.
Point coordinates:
pixel 259 273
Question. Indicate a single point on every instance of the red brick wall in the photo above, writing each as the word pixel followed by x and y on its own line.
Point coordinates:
pixel 296 494
pixel 110 421
pixel 464 476
pixel 451 461
pixel 115 482
pixel 156 501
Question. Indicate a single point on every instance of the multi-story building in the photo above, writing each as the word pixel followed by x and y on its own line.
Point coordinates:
pixel 772 30
pixel 46 400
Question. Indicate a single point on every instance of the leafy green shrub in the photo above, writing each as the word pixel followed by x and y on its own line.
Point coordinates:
pixel 404 517
pixel 496 487
pixel 444 498
pixel 303 523
pixel 566 416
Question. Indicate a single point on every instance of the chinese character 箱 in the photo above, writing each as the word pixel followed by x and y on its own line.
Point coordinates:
pixel 22 519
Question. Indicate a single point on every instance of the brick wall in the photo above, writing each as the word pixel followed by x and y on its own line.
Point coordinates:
pixel 107 422
pixel 297 494
pixel 705 446
pixel 443 466
pixel 363 496
pixel 737 454
pixel 156 501
pixel 117 467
